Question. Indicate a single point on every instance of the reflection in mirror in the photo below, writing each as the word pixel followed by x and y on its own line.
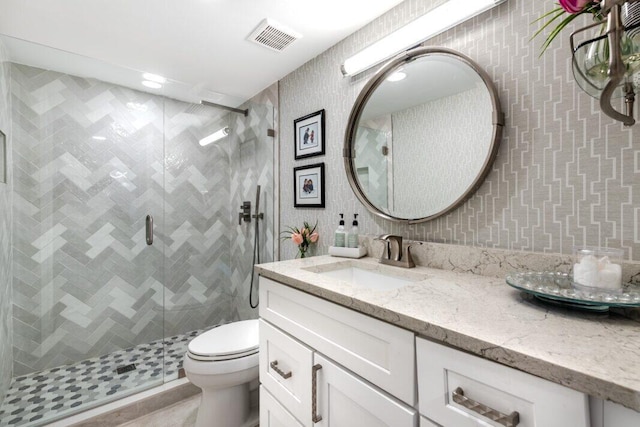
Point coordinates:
pixel 422 135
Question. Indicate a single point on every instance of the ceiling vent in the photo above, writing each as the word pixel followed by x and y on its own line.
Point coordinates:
pixel 274 36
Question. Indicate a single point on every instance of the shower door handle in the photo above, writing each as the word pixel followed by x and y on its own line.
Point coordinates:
pixel 149 230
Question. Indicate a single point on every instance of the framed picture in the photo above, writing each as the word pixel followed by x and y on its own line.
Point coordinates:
pixel 309 135
pixel 3 157
pixel 308 186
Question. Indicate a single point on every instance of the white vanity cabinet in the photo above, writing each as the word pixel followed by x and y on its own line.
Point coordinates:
pixel 324 365
pixel 462 390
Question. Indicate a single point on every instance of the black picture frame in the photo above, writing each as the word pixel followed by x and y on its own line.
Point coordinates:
pixel 308 134
pixel 308 186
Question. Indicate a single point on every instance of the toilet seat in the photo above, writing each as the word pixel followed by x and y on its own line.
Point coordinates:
pixel 227 342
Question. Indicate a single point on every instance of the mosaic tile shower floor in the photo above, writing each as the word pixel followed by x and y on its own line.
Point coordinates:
pixel 53 394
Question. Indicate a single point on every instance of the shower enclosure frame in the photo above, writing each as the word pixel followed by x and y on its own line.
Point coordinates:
pixel 169 239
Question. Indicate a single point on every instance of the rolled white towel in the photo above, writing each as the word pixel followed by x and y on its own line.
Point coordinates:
pixel 600 273
pixel 586 271
pixel 610 276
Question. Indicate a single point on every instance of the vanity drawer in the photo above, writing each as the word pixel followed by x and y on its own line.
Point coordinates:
pixel 443 372
pixel 285 369
pixel 609 414
pixel 377 351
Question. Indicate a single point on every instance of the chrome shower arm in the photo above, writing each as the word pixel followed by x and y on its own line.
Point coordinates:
pixel 225 107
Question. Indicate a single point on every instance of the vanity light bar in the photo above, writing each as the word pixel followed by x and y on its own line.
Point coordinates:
pixel 434 22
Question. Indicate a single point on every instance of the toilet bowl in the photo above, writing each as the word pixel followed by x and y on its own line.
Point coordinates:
pixel 222 362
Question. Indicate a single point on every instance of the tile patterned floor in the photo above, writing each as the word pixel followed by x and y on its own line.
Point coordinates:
pixel 49 395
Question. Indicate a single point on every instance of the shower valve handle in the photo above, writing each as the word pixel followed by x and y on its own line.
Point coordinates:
pixel 246 212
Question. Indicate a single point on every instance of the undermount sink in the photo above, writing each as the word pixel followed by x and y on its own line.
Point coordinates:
pixel 368 278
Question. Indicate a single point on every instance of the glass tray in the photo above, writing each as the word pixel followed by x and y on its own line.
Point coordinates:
pixel 558 288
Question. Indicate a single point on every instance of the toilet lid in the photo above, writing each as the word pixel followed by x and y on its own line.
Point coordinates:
pixel 228 341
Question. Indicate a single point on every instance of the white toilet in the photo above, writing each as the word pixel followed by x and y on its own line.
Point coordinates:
pixel 222 362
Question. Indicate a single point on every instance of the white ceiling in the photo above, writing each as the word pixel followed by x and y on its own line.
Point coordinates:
pixel 202 43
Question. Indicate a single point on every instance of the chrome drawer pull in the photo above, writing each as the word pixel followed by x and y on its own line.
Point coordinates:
pixel 274 366
pixel 511 420
pixel 314 396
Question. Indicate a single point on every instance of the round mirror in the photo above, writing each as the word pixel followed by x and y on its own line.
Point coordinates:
pixel 422 135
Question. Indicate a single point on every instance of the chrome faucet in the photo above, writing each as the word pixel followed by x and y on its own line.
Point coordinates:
pixel 393 254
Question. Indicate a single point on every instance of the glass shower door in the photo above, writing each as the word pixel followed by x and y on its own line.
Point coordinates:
pixel 209 249
pixel 198 226
pixel 87 288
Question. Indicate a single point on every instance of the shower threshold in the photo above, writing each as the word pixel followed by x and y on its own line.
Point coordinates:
pixel 45 396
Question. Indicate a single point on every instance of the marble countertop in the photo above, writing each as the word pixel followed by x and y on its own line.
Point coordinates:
pixel 592 353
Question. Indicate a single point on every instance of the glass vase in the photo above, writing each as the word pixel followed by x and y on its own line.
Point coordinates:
pixel 631 19
pixel 302 251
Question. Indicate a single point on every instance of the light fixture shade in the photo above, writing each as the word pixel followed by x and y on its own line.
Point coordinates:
pixel 154 78
pixel 434 22
pixel 215 136
pixel 151 85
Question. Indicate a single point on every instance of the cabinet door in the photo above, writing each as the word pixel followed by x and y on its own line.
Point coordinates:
pixel 285 370
pixel 272 414
pixel 343 400
pixel 425 422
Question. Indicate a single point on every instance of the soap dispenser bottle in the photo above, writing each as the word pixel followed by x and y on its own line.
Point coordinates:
pixel 352 240
pixel 340 236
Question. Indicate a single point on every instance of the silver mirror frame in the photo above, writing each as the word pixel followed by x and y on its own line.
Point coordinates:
pixel 358 107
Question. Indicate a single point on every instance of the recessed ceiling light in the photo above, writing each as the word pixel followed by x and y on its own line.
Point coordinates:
pixel 99 138
pixel 150 84
pixel 397 76
pixel 154 78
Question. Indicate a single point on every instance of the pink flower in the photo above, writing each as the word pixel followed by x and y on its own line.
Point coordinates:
pixel 297 238
pixel 573 6
pixel 304 232
pixel 314 237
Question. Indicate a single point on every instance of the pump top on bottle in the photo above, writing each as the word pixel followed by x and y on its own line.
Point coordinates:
pixel 352 240
pixel 340 235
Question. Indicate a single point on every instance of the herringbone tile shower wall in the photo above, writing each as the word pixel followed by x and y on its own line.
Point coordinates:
pixel 85 283
pixel 565 174
pixel 6 359
pixel 197 230
pixel 252 158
